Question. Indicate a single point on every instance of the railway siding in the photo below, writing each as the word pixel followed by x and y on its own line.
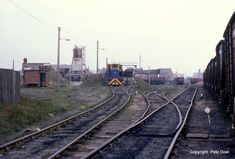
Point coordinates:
pixel 149 138
pixel 155 102
pixel 45 145
pixel 202 140
pixel 123 119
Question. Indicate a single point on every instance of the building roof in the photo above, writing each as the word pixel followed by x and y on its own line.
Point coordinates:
pixel 64 66
pixel 156 71
pixel 34 66
pixel 165 70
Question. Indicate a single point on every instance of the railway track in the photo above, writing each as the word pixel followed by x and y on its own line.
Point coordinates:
pixel 169 90
pixel 49 140
pixel 185 106
pixel 155 101
pixel 104 131
pixel 153 136
pixel 160 96
pixel 201 138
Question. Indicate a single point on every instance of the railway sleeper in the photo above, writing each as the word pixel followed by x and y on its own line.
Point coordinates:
pixel 74 147
pixel 81 154
pixel 96 141
pixel 155 135
pixel 61 135
pixel 7 148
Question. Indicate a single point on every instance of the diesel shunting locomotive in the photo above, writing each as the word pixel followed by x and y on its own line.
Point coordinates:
pixel 114 74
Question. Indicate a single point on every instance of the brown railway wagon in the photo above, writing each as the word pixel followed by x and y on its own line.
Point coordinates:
pixel 194 80
pixel 179 80
pixel 154 79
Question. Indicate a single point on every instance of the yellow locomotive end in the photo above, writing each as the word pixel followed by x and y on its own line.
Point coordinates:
pixel 115 82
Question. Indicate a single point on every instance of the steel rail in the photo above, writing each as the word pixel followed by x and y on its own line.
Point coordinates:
pixel 86 133
pixel 148 104
pixel 181 128
pixel 98 150
pixel 179 112
pixel 7 146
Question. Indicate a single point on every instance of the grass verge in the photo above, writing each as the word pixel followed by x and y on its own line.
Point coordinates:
pixel 141 85
pixel 37 103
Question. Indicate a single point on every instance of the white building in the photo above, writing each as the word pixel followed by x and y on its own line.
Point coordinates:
pixel 78 60
pixel 78 66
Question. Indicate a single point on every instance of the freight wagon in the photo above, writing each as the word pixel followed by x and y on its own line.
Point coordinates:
pixel 154 79
pixel 157 80
pixel 219 76
pixel 194 80
pixel 179 80
pixel 128 72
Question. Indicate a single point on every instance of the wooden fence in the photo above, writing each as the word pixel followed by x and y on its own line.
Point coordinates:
pixel 9 86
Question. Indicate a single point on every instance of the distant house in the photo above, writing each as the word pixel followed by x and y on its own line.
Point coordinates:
pixel 35 74
pixel 167 73
pixel 160 72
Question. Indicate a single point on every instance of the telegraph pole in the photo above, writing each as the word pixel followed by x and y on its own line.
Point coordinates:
pixel 58 51
pixel 140 61
pixel 106 61
pixel 97 59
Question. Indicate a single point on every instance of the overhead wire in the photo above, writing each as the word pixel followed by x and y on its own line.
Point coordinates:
pixel 30 15
pixel 37 19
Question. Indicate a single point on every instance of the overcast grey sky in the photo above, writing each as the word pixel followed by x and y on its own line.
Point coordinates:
pixel 181 34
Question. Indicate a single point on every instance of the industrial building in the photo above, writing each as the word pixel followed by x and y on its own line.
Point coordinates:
pixel 78 66
pixel 64 70
pixel 160 72
pixel 76 72
pixel 35 74
pixel 167 73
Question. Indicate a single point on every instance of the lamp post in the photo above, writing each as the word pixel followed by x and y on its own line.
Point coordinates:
pixel 97 57
pixel 140 61
pixel 58 49
pixel 58 53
